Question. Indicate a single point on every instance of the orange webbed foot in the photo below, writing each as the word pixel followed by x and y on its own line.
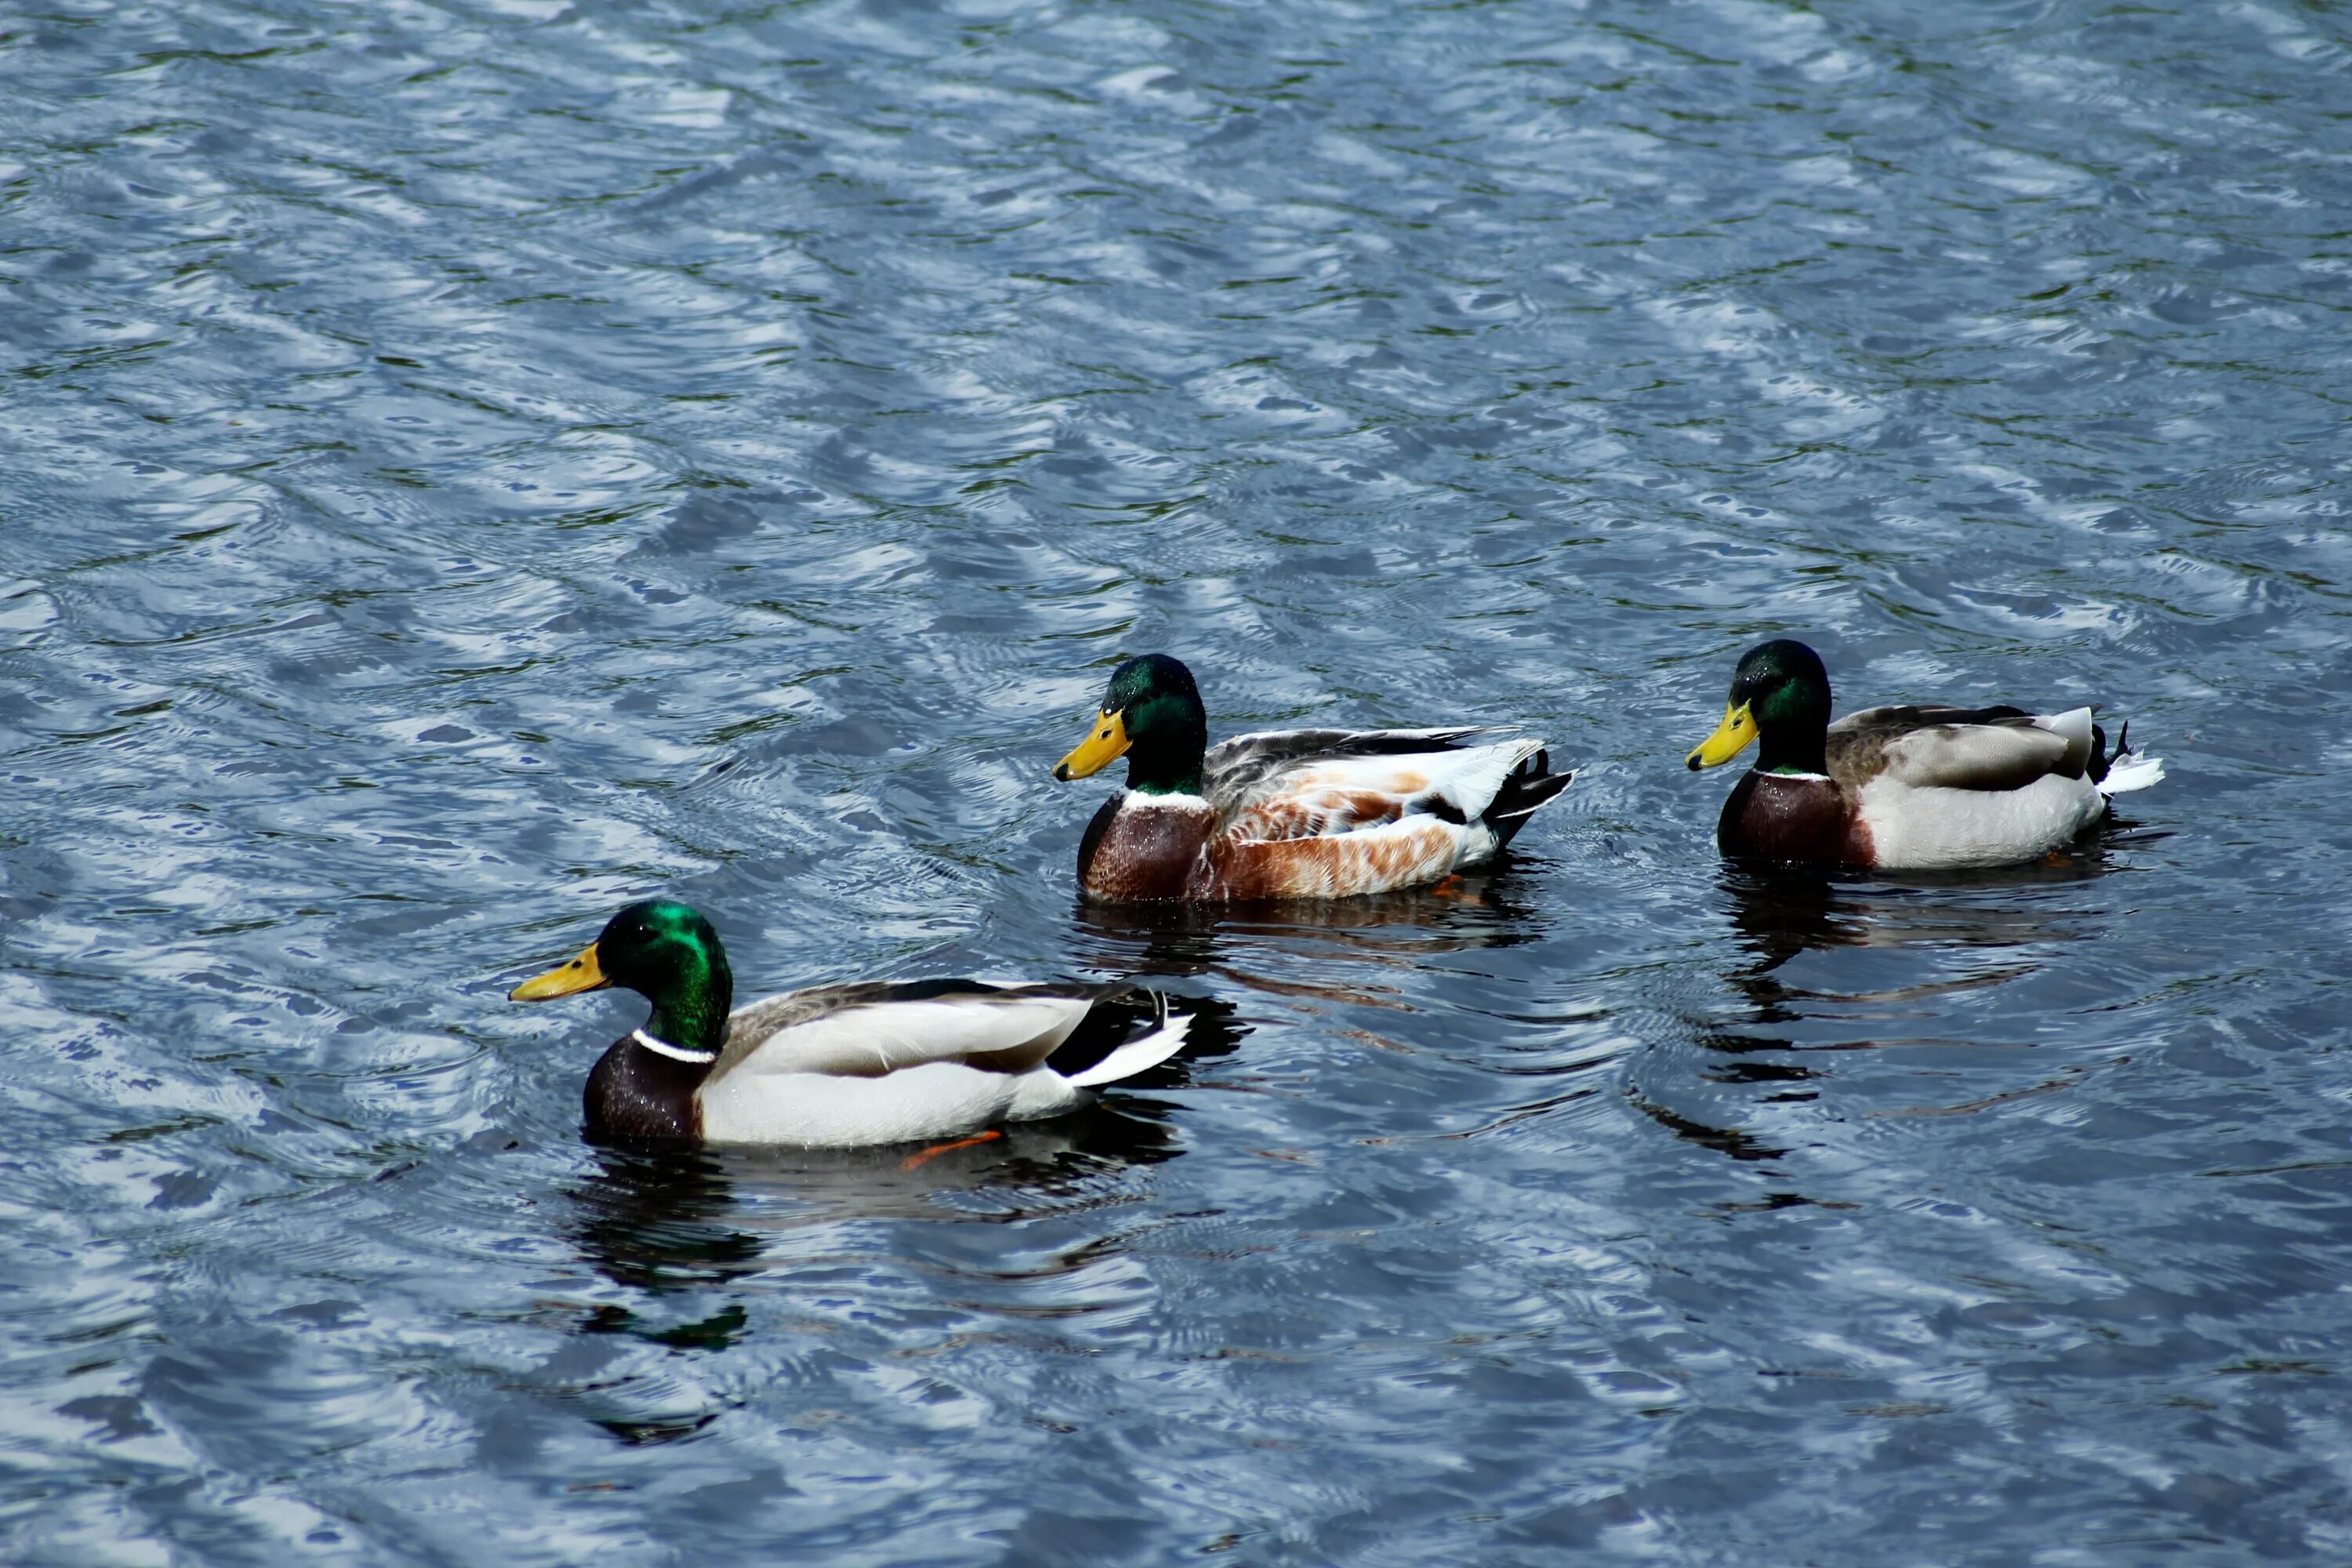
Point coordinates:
pixel 924 1157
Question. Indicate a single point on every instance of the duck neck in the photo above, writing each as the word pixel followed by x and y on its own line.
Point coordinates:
pixel 1801 751
pixel 1170 738
pixel 691 1012
pixel 1792 719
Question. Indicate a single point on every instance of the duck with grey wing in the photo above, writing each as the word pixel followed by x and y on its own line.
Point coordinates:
pixel 1918 788
pixel 1288 813
pixel 833 1066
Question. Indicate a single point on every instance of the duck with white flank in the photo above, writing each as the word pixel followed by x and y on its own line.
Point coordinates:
pixel 1904 789
pixel 877 1062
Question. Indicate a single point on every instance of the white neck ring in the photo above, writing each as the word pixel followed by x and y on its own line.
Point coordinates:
pixel 675 1053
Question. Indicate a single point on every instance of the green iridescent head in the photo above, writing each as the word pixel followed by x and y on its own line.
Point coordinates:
pixel 1780 696
pixel 1151 715
pixel 664 952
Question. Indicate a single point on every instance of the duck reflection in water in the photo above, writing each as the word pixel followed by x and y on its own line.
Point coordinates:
pixel 686 1231
pixel 1783 911
pixel 1393 932
pixel 653 1218
pixel 1989 919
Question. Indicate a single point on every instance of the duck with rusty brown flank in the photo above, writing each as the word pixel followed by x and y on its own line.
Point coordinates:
pixel 1918 788
pixel 835 1066
pixel 1289 814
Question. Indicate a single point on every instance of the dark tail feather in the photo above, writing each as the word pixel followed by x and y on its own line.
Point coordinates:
pixel 2101 758
pixel 1528 787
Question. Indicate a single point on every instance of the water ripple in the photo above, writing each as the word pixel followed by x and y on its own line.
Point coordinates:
pixel 473 464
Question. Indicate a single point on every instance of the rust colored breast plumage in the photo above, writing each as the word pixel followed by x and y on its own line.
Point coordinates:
pixel 1334 868
pixel 1782 818
pixel 1149 854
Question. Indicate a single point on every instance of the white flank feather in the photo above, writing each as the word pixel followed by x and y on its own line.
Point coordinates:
pixel 937 1100
pixel 1930 828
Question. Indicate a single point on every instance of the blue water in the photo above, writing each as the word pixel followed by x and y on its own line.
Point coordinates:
pixel 465 464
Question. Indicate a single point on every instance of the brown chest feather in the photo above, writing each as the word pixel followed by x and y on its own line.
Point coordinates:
pixel 1146 852
pixel 634 1096
pixel 1782 818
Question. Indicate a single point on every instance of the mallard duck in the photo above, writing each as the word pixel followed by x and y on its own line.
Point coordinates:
pixel 829 1066
pixel 1288 813
pixel 1912 789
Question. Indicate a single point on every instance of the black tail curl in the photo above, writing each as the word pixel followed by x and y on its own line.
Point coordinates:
pixel 2101 758
pixel 1529 784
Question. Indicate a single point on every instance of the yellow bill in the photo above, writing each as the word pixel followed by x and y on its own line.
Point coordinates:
pixel 582 974
pixel 1104 746
pixel 1730 738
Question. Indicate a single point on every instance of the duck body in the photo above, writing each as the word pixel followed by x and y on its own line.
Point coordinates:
pixel 833 1066
pixel 838 1066
pixel 1905 788
pixel 1292 814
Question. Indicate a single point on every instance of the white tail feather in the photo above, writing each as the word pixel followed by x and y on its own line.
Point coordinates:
pixel 1144 1051
pixel 2135 772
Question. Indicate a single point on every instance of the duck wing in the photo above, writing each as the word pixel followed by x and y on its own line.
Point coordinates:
pixel 1960 748
pixel 1316 783
pixel 872 1028
pixel 1232 769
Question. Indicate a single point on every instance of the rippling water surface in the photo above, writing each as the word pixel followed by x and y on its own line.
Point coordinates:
pixel 471 462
